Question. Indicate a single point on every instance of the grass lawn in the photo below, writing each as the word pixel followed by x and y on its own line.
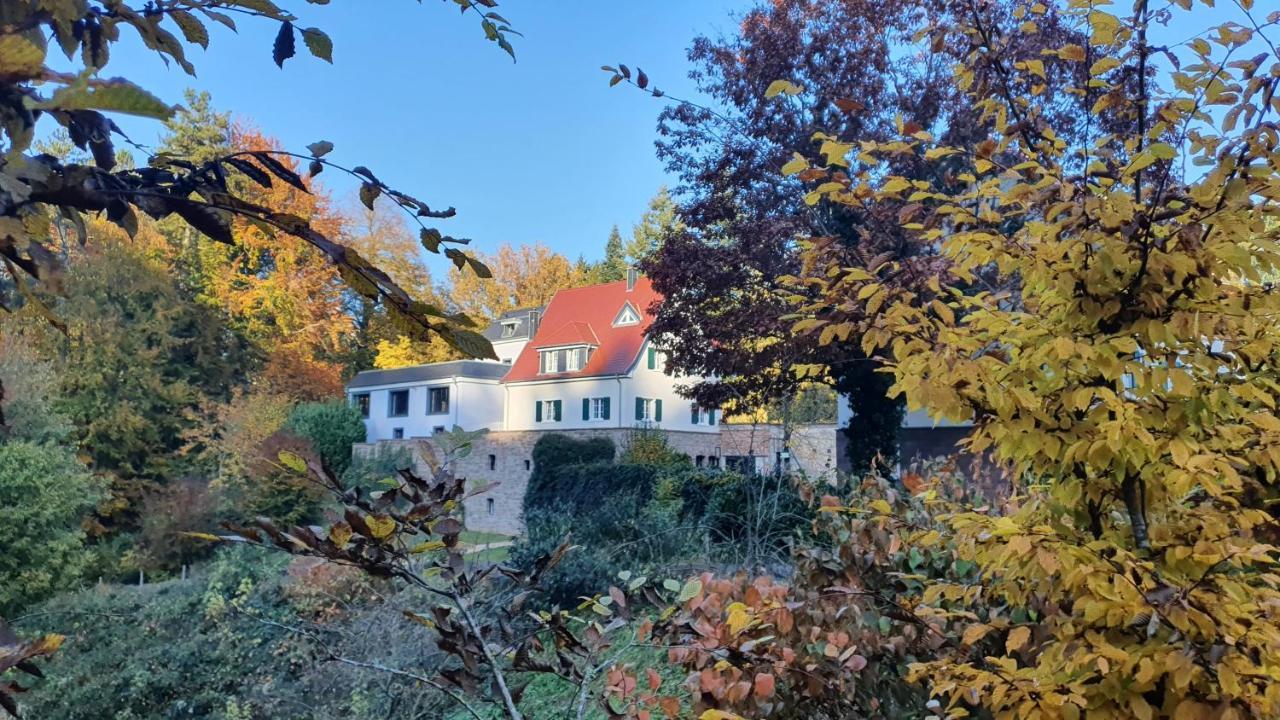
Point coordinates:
pixel 472 537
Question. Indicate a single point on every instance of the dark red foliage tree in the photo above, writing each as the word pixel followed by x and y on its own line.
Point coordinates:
pixel 863 67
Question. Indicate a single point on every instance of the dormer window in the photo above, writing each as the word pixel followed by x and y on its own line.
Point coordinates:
pixel 509 328
pixel 565 359
pixel 626 316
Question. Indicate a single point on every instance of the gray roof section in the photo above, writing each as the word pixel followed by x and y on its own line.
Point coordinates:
pixel 429 373
pixel 524 328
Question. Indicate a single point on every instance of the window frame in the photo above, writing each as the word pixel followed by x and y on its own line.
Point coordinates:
pixel 598 409
pixel 431 406
pixel 391 403
pixel 362 402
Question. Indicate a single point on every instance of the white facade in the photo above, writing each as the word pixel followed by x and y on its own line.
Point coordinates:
pixel 653 387
pixel 508 350
pixel 471 403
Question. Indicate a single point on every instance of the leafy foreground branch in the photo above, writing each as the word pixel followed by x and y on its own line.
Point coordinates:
pixel 410 533
pixel 39 194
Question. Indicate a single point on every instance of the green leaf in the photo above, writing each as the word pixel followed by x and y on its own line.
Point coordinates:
pixel 318 43
pixel 689 591
pixel 113 95
pixel 469 342
pixel 192 29
pixel 430 239
pixel 320 148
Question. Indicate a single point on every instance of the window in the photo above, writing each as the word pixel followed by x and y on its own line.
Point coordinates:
pixel 656 360
pixel 595 408
pixel 648 410
pixel 564 359
pixel 360 401
pixel 493 462
pixel 397 433
pixel 699 416
pixel 527 464
pixel 626 316
pixel 437 430
pixel 509 329
pixel 546 411
pixel 438 401
pixel 699 460
pixel 397 403
pixel 489 505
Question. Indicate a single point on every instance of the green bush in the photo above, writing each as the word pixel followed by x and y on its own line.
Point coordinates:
pixel 207 648
pixel 44 494
pixel 648 446
pixel 332 428
pixel 554 450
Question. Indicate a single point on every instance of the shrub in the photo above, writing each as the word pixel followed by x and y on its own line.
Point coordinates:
pixel 553 450
pixel 648 446
pixel 44 494
pixel 332 428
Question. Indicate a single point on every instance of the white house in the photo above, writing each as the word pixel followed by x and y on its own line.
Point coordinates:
pixel 419 401
pixel 584 362
pixel 591 365
pixel 511 332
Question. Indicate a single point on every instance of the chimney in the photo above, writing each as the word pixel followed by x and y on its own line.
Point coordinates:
pixel 633 275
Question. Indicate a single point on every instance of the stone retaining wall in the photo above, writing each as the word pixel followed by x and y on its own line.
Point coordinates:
pixel 505 457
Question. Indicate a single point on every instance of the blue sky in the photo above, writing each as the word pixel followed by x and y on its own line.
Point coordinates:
pixel 537 150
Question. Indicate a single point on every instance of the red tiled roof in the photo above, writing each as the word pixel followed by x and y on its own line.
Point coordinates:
pixel 571 333
pixel 589 312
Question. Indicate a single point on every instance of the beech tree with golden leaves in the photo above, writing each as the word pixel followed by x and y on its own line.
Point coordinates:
pixel 1117 354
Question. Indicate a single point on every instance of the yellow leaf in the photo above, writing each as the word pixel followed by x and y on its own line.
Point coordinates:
pixel 1103 65
pixel 380 526
pixel 1074 53
pixel 1018 638
pixel 202 536
pixel 797 164
pixel 719 715
pixel 739 618
pixel 293 461
pixel 340 534
pixel 1104 27
pixel 975 632
pixel 895 185
pixel 779 87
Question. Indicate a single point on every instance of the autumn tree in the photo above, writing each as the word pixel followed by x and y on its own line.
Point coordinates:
pixel 1121 367
pixel 43 198
pixel 381 234
pixel 523 276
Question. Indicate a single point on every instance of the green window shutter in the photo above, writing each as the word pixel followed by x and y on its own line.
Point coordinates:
pixel 653 358
pixel 604 410
pixel 693 414
pixel 537 411
pixel 586 408
pixel 711 417
pixel 657 411
pixel 557 407
pixel 639 408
